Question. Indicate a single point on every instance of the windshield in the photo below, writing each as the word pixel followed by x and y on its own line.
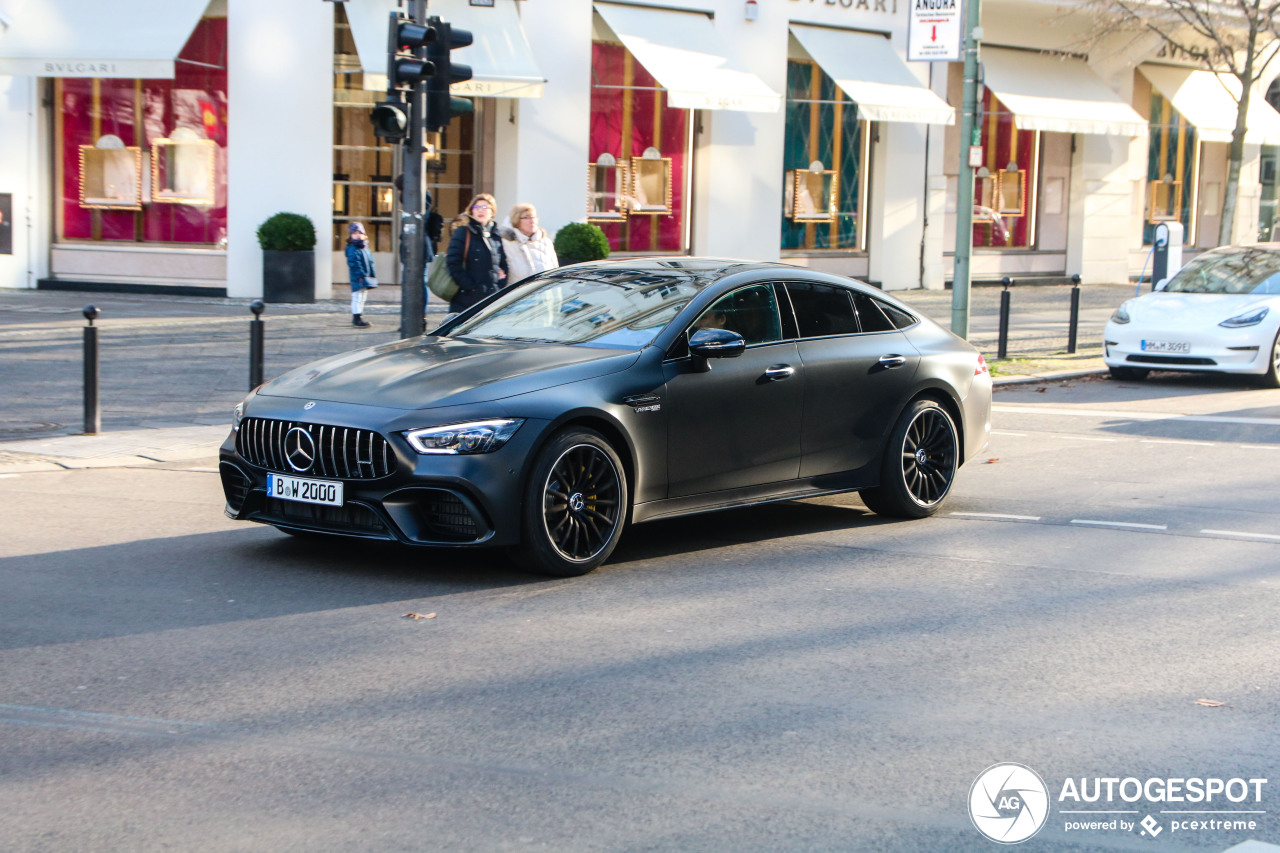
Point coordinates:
pixel 1241 272
pixel 606 308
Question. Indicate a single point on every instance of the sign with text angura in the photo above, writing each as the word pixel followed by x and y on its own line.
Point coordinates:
pixel 934 30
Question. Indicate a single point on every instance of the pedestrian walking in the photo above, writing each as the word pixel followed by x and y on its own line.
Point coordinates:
pixel 360 268
pixel 528 246
pixel 476 258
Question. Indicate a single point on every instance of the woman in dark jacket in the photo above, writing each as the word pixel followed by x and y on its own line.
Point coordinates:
pixel 476 262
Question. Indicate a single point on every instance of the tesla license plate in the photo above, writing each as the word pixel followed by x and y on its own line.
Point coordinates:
pixel 306 491
pixel 1166 346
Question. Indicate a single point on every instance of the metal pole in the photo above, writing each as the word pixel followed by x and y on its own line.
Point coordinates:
pixel 412 221
pixel 1075 314
pixel 92 408
pixel 256 329
pixel 1004 318
pixel 970 135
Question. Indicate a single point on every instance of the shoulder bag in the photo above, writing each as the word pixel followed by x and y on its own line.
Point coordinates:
pixel 439 282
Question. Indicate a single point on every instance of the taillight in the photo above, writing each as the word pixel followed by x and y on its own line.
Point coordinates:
pixel 982 366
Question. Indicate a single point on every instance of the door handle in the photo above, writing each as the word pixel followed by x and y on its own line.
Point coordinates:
pixel 779 371
pixel 892 361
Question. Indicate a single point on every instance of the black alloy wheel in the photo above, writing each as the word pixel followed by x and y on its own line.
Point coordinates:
pixel 575 505
pixel 919 465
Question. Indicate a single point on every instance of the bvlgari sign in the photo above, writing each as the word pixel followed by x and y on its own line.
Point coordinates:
pixel 934 30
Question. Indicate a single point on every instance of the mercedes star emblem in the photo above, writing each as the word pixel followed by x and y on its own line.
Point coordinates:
pixel 299 449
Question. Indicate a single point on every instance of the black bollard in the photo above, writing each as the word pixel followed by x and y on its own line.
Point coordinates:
pixel 1075 314
pixel 1003 349
pixel 255 344
pixel 92 408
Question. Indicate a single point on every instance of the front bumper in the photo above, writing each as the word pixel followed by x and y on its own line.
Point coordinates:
pixel 437 500
pixel 1234 351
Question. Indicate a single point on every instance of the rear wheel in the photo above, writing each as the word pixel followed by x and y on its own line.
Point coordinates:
pixel 1271 379
pixel 575 504
pixel 1133 374
pixel 919 465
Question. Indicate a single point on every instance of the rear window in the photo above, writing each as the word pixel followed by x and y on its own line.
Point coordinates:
pixel 822 309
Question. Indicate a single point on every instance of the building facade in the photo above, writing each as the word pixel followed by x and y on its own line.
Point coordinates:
pixel 144 149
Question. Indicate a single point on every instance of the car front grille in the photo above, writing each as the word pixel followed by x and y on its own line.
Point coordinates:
pixel 1170 359
pixel 343 452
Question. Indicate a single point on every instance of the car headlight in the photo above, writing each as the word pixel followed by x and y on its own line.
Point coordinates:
pixel 1252 318
pixel 1120 315
pixel 472 437
pixel 237 415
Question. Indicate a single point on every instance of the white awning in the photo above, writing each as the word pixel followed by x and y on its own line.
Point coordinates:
pixel 867 69
pixel 687 56
pixel 502 64
pixel 1057 93
pixel 1208 101
pixel 93 38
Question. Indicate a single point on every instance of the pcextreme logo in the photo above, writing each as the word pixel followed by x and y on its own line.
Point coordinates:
pixel 1009 803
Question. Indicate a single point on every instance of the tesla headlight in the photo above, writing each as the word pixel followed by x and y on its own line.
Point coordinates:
pixel 1121 314
pixel 471 437
pixel 1252 318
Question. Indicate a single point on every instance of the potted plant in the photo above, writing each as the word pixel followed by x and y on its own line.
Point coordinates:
pixel 581 241
pixel 288 242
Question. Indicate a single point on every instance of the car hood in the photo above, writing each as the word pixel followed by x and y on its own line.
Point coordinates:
pixel 1193 310
pixel 437 371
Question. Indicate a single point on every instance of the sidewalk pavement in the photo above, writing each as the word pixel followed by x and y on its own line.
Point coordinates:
pixel 173 367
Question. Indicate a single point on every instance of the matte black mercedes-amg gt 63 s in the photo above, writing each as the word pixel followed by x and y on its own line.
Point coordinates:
pixel 549 416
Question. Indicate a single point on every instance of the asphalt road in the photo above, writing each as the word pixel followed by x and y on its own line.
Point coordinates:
pixel 804 676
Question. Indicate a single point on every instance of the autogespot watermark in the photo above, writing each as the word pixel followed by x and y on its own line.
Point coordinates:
pixel 1009 803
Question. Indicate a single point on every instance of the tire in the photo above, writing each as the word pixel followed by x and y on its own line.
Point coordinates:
pixel 575 505
pixel 1129 374
pixel 1271 379
pixel 920 463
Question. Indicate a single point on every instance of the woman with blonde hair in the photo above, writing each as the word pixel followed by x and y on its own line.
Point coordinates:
pixel 475 258
pixel 528 246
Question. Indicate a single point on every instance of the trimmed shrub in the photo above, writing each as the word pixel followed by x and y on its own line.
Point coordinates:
pixel 287 232
pixel 581 241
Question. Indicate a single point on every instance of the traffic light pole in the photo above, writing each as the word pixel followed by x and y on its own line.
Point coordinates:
pixel 412 216
pixel 970 136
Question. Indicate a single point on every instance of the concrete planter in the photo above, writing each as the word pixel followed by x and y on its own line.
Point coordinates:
pixel 288 276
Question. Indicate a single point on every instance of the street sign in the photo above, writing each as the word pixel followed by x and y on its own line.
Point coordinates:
pixel 934 31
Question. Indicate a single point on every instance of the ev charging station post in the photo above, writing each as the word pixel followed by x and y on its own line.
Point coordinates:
pixel 1167 254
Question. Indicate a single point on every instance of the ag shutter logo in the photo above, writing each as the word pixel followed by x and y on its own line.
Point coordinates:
pixel 1008 803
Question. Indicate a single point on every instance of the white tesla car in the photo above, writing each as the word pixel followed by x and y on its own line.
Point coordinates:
pixel 1220 313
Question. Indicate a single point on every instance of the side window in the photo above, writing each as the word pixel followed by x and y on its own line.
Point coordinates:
pixel 750 311
pixel 822 309
pixel 877 316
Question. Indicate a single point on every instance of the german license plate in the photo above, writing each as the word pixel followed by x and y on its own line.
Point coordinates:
pixel 326 492
pixel 1166 346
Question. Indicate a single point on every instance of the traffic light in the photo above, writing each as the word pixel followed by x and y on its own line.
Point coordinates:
pixel 441 105
pixel 391 117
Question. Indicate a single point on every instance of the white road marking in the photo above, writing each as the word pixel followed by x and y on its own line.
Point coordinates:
pixel 1240 534
pixel 1014 434
pixel 1171 441
pixel 1126 524
pixel 1084 438
pixel 1260 447
pixel 7 476
pixel 1133 416
pixel 996 515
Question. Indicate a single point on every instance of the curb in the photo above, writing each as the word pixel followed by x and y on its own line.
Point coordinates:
pixel 1047 377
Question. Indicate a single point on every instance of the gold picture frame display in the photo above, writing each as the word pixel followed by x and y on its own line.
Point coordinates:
pixel 1165 201
pixel 813 194
pixel 184 169
pixel 111 175
pixel 1009 192
pixel 651 191
pixel 608 184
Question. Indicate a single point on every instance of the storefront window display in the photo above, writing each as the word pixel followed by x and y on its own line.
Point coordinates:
pixel 144 161
pixel 641 143
pixel 1005 185
pixel 822 163
pixel 365 166
pixel 1171 159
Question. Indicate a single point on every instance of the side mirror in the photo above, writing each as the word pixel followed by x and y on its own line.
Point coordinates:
pixel 716 343
pixel 1161 284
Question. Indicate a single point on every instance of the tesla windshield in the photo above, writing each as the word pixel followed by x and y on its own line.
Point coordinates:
pixel 1238 271
pixel 610 309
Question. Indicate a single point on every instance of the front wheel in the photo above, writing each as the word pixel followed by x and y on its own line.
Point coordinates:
pixel 1271 379
pixel 574 507
pixel 919 465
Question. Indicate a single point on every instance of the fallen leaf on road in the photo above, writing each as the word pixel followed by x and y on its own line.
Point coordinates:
pixel 416 616
pixel 996 459
pixel 1210 703
pixel 1041 390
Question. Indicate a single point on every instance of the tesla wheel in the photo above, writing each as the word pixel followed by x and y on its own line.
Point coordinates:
pixel 919 465
pixel 1271 379
pixel 1134 374
pixel 575 505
